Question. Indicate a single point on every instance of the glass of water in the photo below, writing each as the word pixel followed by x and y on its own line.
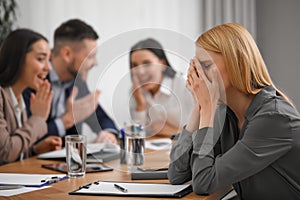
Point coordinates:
pixel 76 155
pixel 135 145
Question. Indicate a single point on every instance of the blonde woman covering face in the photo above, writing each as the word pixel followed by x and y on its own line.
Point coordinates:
pixel 243 131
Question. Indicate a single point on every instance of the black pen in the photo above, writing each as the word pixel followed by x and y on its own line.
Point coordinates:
pixel 120 188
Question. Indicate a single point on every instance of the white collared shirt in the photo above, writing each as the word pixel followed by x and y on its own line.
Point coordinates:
pixel 173 104
pixel 58 107
pixel 19 106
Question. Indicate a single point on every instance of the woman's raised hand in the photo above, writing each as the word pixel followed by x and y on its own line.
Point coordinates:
pixel 40 103
pixel 137 92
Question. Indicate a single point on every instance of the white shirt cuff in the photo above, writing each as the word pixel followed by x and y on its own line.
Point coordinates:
pixel 60 127
pixel 139 117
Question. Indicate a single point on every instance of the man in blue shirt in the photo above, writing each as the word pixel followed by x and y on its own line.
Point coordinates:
pixel 73 55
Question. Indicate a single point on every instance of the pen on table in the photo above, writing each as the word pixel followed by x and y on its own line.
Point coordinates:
pixel 120 188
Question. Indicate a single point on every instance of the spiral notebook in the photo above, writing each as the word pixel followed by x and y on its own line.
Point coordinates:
pixel 109 188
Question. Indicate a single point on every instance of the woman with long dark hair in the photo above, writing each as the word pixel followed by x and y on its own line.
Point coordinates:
pixel 24 62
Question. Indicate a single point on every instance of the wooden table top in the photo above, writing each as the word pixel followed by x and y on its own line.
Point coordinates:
pixel 60 190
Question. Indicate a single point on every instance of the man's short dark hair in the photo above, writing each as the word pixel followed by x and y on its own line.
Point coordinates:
pixel 75 30
pixel 71 31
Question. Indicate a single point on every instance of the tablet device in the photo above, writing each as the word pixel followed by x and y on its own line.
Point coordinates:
pixel 62 167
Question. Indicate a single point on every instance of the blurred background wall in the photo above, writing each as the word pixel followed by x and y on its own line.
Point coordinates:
pixel 176 24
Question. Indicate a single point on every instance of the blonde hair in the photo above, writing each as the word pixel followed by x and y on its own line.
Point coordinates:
pixel 245 65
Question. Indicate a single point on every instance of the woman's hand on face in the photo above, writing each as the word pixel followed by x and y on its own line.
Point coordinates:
pixel 48 144
pixel 40 103
pixel 206 92
pixel 190 87
pixel 137 93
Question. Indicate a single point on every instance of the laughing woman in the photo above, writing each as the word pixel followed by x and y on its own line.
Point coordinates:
pixel 255 144
pixel 24 62
pixel 160 100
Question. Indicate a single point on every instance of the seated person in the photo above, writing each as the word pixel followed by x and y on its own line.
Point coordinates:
pixel 160 100
pixel 74 54
pixel 24 62
pixel 243 131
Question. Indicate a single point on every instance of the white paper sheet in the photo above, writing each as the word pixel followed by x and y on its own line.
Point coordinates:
pixel 159 144
pixel 230 195
pixel 133 188
pixel 7 193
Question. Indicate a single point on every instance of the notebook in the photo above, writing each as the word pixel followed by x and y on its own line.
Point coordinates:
pixel 159 144
pixel 96 152
pixel 109 188
pixel 30 180
pixel 149 174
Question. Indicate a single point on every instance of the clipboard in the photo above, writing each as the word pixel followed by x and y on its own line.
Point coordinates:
pixel 110 188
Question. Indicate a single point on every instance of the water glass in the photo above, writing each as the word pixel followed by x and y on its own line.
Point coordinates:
pixel 76 155
pixel 135 145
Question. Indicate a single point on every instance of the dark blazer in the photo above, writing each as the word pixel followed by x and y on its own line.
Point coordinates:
pixel 261 160
pixel 98 121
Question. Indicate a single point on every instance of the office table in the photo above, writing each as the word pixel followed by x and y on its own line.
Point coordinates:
pixel 60 190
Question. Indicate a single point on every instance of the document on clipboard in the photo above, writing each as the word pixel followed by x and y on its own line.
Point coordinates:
pixel 109 188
